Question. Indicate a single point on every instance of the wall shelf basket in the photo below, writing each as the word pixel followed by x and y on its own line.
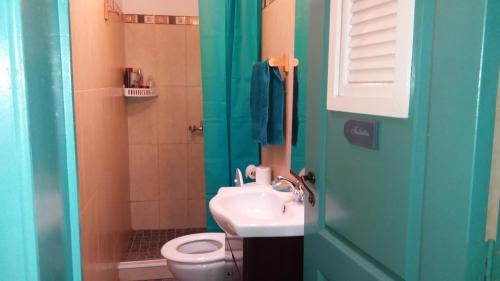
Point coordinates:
pixel 139 92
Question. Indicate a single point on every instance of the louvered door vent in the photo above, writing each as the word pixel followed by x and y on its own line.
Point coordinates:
pixel 372 41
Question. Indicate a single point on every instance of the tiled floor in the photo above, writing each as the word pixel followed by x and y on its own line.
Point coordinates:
pixel 146 244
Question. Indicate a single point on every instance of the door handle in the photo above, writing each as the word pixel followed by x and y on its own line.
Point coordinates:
pixel 310 177
pixel 302 182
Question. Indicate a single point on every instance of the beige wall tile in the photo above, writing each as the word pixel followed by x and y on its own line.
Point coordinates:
pixel 83 107
pixel 196 172
pixel 173 214
pixel 90 242
pixel 96 58
pixel 172 115
pixel 194 112
pixel 144 172
pixel 79 44
pixel 140 49
pixel 197 213
pixel 173 171
pixel 93 143
pixel 170 49
pixel 102 137
pixel 193 56
pixel 97 46
pixel 145 215
pixel 143 121
pixel 114 52
pixel 113 195
pixel 103 175
pixel 171 55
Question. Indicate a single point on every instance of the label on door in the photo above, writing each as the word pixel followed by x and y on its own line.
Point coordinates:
pixel 362 133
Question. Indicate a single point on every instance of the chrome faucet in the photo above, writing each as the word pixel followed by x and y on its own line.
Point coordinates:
pixel 295 187
pixel 310 177
pixel 299 186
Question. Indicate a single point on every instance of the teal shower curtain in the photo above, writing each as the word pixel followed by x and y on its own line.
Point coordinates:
pixel 301 53
pixel 230 45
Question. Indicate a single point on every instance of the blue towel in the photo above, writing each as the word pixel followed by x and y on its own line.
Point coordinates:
pixel 295 113
pixel 275 124
pixel 267 104
pixel 259 101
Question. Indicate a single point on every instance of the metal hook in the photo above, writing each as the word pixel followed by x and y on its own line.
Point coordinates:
pixel 193 128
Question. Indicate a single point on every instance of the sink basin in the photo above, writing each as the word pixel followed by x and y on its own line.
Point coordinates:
pixel 257 211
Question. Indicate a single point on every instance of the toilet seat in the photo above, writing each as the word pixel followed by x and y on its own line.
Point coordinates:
pixel 210 247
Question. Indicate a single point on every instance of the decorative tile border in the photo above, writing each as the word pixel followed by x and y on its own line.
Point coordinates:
pixel 266 3
pixel 150 19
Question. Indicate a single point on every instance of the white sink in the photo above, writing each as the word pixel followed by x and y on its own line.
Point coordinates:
pixel 257 211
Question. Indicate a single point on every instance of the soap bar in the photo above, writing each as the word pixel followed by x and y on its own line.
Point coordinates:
pixel 281 186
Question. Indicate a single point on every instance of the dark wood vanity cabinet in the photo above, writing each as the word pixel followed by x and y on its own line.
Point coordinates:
pixel 273 259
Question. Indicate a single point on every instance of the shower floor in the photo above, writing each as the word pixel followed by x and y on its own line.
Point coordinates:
pixel 146 244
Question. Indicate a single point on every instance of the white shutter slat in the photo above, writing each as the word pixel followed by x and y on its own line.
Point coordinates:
pixel 371 45
pixel 376 25
pixel 382 49
pixel 372 42
pixel 388 35
pixel 373 63
pixel 372 75
pixel 386 9
pixel 361 5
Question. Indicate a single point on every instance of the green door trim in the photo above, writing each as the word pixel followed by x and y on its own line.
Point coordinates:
pixel 419 104
pixel 27 185
pixel 17 203
pixel 72 202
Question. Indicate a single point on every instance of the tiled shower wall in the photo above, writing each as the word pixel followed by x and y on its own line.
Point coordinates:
pixel 166 161
pixel 101 131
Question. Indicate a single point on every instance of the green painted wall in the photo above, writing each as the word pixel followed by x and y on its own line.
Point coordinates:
pixel 38 163
pixel 17 227
pixel 300 49
pixel 416 208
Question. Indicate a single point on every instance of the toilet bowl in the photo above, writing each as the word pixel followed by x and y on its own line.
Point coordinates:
pixel 196 257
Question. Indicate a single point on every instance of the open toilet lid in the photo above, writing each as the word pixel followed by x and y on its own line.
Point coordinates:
pixel 171 250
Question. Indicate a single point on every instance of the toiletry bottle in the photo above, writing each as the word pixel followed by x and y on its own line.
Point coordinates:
pixel 126 77
pixel 133 78
pixel 140 79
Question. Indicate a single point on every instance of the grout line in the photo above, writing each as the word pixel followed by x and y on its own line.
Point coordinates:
pixel 145 263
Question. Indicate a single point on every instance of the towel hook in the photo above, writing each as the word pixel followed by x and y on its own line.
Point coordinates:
pixel 284 62
pixel 193 128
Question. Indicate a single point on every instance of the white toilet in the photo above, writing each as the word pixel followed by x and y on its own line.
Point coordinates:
pixel 196 257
